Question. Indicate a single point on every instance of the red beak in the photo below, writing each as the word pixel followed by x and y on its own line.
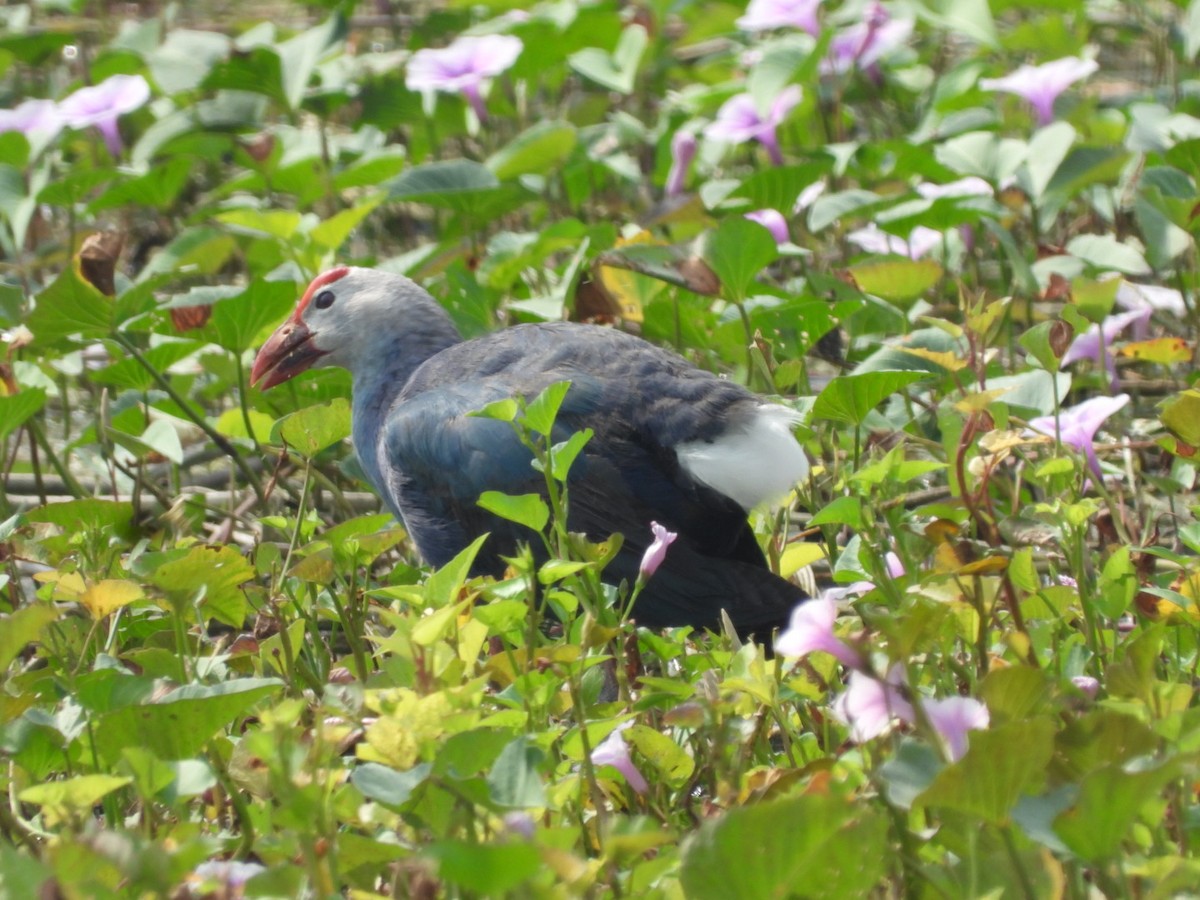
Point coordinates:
pixel 287 353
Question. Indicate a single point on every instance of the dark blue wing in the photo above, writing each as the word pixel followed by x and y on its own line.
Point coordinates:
pixel 439 459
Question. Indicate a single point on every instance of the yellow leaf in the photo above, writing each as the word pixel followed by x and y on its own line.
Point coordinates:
pixel 67 585
pixel 947 359
pixel 1159 350
pixel 995 441
pixel 109 595
pixel 798 555
pixel 989 565
pixel 628 289
pixel 978 400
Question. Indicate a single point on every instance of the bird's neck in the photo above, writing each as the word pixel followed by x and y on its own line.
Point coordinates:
pixel 377 385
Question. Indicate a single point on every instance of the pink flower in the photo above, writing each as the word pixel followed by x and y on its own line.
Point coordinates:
pixel 738 121
pixel 613 751
pixel 463 66
pixel 1078 424
pixel 657 551
pixel 1090 346
pixel 873 240
pixel 1088 685
pixel 865 43
pixel 811 628
pixel 952 718
pixel 32 118
pixel 102 104
pixel 869 706
pixel 773 221
pixel 766 15
pixel 895 568
pixel 683 149
pixel 1041 85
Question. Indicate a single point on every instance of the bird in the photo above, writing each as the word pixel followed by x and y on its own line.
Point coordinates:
pixel 671 443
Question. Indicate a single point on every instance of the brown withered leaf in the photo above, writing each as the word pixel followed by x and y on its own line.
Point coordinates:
pixel 98 256
pixel 1061 334
pixel 592 304
pixel 187 318
pixel 1059 288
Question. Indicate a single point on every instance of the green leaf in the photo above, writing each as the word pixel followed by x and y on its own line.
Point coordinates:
pixel 842 511
pixel 1107 253
pixel 453 184
pixel 257 71
pixel 71 306
pixel 1014 693
pixel 183 721
pixel 22 628
pixel 1110 800
pixel 299 56
pixel 817 845
pixel 992 777
pixel 217 571
pixel 310 430
pixel 563 455
pixel 849 398
pixel 1047 149
pixel 444 584
pixel 73 796
pixel 537 150
pixel 675 764
pixel 1180 415
pixel 15 409
pixel 109 516
pixel 515 779
pixel 157 189
pixel 387 786
pixel 899 281
pixel 541 411
pixel 489 870
pixel 909 772
pixel 617 71
pixel 529 510
pixel 737 250
pixel 199 250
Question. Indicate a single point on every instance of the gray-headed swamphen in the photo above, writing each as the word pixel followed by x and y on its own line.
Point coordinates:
pixel 672 443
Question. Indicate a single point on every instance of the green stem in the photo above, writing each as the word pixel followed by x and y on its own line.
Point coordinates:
pixel 198 420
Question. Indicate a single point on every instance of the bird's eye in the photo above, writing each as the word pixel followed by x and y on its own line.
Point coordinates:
pixel 325 299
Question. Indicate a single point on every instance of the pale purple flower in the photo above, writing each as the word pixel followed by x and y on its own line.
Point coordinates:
pixel 1041 85
pixel 613 751
pixel 229 873
pixel 102 104
pixel 33 118
pixel 869 706
pixel 683 149
pixel 773 221
pixel 766 15
pixel 808 196
pixel 1078 424
pixel 657 551
pixel 1096 343
pixel 519 823
pixel 895 568
pixel 866 42
pixel 738 121
pixel 971 186
pixel 1087 685
pixel 811 628
pixel 463 66
pixel 1152 297
pixel 951 718
pixel 921 240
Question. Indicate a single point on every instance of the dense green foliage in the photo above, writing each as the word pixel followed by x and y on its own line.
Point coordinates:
pixel 213 648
